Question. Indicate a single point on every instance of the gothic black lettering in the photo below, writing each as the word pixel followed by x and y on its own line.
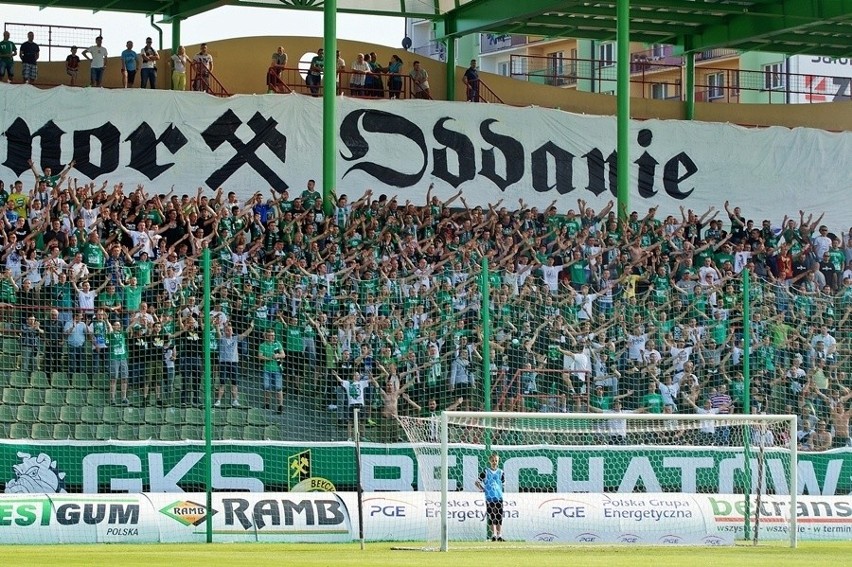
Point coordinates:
pixel 672 178
pixel 143 148
pixel 597 167
pixel 379 122
pixel 563 168
pixel 109 136
pixel 513 153
pixel 463 148
pixel 19 144
pixel 224 129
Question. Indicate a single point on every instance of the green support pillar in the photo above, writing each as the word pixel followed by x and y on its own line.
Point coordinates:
pixel 690 85
pixel 451 68
pixel 175 44
pixel 329 106
pixel 208 392
pixel 623 108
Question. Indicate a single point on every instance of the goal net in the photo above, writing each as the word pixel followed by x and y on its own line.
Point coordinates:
pixel 614 477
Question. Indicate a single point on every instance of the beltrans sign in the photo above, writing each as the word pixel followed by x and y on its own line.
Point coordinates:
pixel 81 467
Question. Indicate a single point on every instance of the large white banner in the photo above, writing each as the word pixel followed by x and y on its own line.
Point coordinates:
pixel 489 152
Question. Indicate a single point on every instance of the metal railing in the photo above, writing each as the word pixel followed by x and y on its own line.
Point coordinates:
pixel 486 94
pixel 374 85
pixel 52 37
pixel 202 79
pixel 661 77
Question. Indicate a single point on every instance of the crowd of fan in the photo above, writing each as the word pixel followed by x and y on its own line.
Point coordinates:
pixel 378 303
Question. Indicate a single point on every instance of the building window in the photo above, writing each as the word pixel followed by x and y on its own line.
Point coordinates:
pixel 715 85
pixel 606 54
pixel 503 68
pixel 658 51
pixel 659 91
pixel 773 76
pixel 555 68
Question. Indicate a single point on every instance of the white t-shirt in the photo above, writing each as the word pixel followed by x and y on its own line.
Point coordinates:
pixel 99 55
pixel 355 390
pixel 550 275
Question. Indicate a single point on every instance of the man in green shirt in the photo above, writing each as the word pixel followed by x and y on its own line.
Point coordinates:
pixel 652 401
pixel 8 51
pixel 117 343
pixel 270 353
pixel 95 257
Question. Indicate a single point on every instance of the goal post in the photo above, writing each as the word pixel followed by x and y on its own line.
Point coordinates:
pixel 720 473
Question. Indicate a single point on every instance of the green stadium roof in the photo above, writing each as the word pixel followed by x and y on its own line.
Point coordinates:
pixel 817 27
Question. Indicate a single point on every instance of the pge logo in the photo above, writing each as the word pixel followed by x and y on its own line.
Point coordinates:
pixel 544 536
pixel 671 539
pixel 588 537
pixel 628 538
pixel 384 508
pixel 568 511
pixel 713 540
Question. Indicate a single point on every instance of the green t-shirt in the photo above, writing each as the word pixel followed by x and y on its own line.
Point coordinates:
pixel 7 49
pixel 295 341
pixel 144 269
pixel 93 256
pixel 654 403
pixel 117 345
pixel 132 297
pixel 268 349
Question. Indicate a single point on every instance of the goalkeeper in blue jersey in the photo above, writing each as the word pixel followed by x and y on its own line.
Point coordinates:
pixel 491 483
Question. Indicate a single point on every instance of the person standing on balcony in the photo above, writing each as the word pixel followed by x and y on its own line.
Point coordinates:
pixel 360 70
pixel 179 61
pixel 97 54
pixel 275 77
pixel 29 57
pixel 149 65
pixel 129 59
pixel 395 80
pixel 72 65
pixel 420 78
pixel 202 67
pixel 471 81
pixel 314 78
pixel 8 50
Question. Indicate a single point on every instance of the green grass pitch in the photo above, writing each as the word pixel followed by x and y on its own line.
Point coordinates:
pixel 254 555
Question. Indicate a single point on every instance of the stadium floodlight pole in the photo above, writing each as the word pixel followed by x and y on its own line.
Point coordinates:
pixel 208 395
pixel 329 105
pixel 623 108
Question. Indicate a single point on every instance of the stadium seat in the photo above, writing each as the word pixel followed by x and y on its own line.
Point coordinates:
pixel 8 361
pixel 154 416
pixel 34 396
pixel 133 416
pixel 113 415
pixel 19 431
pixel 60 380
pixel 230 432
pixel 48 414
pixel 96 397
pixel 7 413
pixel 169 433
pixel 41 431
pixel 191 432
pixel 5 376
pixel 194 416
pixel 105 432
pixel 272 432
pixel 19 378
pixel 126 432
pixel 253 433
pixel 54 397
pixel 4 430
pixel 69 414
pixel 13 396
pixel 220 418
pixel 84 432
pixel 91 414
pixel 76 398
pixel 61 432
pixel 11 346
pixel 27 414
pixel 38 379
pixel 147 432
pixel 80 380
pixel 174 416
pixel 237 417
pixel 257 416
pixel 100 381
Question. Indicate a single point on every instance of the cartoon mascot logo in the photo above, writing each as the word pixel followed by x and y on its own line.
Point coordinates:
pixel 37 475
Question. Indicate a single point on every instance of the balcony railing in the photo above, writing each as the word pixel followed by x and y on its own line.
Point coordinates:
pixel 659 79
pixel 203 80
pixel 374 85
